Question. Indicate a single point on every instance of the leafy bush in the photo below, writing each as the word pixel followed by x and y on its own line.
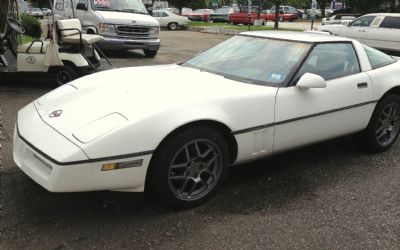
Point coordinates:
pixel 32 26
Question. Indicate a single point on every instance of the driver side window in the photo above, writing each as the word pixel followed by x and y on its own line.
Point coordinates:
pixel 330 61
pixel 364 21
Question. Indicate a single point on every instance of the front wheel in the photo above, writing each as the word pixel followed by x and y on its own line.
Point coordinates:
pixel 281 19
pixel 172 26
pixel 189 167
pixel 384 126
pixel 150 53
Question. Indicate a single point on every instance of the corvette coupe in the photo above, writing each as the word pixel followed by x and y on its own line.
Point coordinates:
pixel 255 95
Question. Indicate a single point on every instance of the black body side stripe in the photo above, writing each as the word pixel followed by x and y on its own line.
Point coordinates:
pixel 253 129
pixel 302 118
pixel 117 157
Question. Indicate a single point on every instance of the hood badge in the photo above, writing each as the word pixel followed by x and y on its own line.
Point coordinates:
pixel 55 113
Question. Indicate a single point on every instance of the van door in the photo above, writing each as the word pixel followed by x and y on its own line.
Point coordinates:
pixel 82 15
pixel 359 28
pixel 385 34
pixel 63 9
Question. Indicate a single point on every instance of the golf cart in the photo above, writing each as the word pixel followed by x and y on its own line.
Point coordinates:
pixel 68 55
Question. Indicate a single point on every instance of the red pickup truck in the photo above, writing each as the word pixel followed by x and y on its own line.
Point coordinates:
pixel 283 17
pixel 243 16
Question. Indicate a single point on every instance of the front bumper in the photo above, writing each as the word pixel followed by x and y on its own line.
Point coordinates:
pixel 120 43
pixel 58 165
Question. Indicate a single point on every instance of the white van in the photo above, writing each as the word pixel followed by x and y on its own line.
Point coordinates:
pixel 124 24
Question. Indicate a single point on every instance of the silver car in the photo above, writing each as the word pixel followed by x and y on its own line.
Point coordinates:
pixel 35 12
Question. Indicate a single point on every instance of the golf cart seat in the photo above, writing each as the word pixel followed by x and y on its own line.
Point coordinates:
pixel 71 33
pixel 35 47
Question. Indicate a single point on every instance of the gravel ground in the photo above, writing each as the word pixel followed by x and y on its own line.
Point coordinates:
pixel 326 196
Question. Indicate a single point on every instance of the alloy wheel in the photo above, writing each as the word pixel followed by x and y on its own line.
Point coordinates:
pixel 195 169
pixel 388 124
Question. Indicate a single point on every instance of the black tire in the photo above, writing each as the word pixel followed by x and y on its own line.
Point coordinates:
pixel 173 26
pixel 281 19
pixel 384 126
pixel 64 74
pixel 183 181
pixel 150 53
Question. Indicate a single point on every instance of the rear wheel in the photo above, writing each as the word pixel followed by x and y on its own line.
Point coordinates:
pixel 150 53
pixel 189 167
pixel 281 19
pixel 384 126
pixel 172 26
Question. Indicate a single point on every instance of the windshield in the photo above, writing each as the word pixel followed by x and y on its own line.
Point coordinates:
pixel 253 60
pixel 135 6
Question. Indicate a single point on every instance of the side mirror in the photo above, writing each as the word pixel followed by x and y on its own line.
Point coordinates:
pixel 150 11
pixel 310 81
pixel 81 6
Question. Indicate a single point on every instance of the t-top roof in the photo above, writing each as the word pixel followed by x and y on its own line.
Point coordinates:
pixel 298 36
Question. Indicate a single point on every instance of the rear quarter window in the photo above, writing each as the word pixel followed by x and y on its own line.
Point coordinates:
pixel 377 58
pixel 391 22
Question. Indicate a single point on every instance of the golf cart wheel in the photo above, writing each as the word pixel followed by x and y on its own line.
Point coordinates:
pixel 172 26
pixel 64 74
pixel 150 53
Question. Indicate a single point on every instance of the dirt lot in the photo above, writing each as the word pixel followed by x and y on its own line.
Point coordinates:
pixel 327 196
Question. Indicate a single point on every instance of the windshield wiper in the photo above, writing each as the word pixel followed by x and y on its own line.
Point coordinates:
pixel 105 8
pixel 134 11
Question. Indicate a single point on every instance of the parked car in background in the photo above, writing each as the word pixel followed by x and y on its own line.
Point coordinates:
pixel 221 14
pixel 282 17
pixel 242 17
pixel 47 12
pixel 186 11
pixel 172 10
pixel 339 19
pixel 200 15
pixel 380 30
pixel 170 20
pixel 35 12
pixel 288 10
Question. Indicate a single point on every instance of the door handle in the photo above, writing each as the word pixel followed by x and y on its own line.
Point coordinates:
pixel 363 31
pixel 362 85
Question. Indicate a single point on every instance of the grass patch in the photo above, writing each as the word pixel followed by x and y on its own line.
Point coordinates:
pixel 234 27
pixel 26 39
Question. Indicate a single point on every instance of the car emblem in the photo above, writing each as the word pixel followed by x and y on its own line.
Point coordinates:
pixel 133 21
pixel 55 113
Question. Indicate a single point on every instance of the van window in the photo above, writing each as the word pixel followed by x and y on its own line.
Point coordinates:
pixel 391 22
pixel 378 59
pixel 364 21
pixel 59 5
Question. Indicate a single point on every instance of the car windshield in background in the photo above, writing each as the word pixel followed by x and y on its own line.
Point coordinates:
pixel 253 60
pixel 134 6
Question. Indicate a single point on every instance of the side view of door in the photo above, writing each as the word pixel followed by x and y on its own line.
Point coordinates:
pixel 344 106
pixel 359 28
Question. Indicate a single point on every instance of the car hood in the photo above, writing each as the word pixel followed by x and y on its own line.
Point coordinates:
pixel 130 95
pixel 127 18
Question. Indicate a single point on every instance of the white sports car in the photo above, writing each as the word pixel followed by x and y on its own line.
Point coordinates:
pixel 176 129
